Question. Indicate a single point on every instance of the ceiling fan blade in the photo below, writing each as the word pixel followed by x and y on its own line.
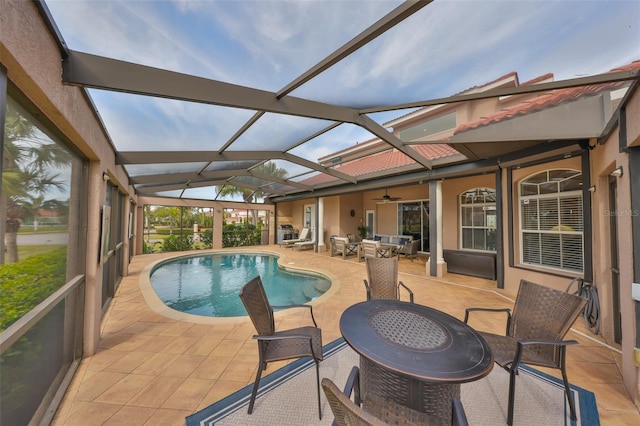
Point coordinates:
pixel 386 198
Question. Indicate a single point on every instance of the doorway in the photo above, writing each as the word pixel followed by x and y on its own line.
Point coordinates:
pixel 413 219
pixel 369 223
pixel 309 219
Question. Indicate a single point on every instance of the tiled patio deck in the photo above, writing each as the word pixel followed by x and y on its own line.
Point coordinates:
pixel 155 370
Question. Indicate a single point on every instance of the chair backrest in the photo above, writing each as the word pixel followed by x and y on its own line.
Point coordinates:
pixel 382 274
pixel 544 313
pixel 304 234
pixel 339 244
pixel 257 305
pixel 370 248
pixel 411 247
pixel 345 411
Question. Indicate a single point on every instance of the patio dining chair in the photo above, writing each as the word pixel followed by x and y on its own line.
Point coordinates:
pixel 343 246
pixel 382 283
pixel 279 345
pixel 534 334
pixel 371 248
pixel 358 412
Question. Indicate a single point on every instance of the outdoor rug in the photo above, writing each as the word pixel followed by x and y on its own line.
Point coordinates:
pixel 288 397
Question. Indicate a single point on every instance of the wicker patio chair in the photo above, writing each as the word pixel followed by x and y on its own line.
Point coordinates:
pixel 381 412
pixel 410 249
pixel 383 281
pixel 534 334
pixel 279 345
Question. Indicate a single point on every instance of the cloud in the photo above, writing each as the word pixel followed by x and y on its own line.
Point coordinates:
pixel 447 47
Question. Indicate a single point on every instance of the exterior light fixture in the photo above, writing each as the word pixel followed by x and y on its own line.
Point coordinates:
pixel 105 177
pixel 617 172
pixel 592 188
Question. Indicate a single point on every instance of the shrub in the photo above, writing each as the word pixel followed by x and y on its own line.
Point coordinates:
pixel 177 243
pixel 25 284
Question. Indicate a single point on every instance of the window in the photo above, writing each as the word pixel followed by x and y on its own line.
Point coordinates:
pixel 478 219
pixel 551 226
pixel 41 251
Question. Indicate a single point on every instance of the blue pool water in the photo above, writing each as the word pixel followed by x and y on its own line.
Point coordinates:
pixel 209 285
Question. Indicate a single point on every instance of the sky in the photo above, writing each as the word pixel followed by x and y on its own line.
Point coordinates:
pixel 445 48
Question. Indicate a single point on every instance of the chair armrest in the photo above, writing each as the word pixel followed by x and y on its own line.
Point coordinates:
pixel 366 286
pixel 298 306
pixel 408 290
pixel 522 343
pixel 353 385
pixel 287 337
pixel 505 310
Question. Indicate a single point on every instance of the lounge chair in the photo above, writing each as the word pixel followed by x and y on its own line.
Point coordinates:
pixel 302 245
pixel 304 236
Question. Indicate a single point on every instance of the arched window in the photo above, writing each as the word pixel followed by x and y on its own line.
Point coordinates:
pixel 551 226
pixel 478 219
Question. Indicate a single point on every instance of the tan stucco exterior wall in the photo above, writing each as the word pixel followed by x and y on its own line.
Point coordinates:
pixel 33 63
pixel 604 159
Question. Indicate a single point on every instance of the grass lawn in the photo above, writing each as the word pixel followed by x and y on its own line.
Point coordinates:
pixel 28 251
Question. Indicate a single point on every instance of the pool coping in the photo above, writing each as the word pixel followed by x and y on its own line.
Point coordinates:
pixel 284 261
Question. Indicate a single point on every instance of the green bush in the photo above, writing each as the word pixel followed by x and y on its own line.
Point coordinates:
pixel 25 284
pixel 206 238
pixel 177 243
pixel 238 235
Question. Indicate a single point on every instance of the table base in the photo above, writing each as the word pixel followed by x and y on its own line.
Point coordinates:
pixel 433 399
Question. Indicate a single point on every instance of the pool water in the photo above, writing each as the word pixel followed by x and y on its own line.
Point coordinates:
pixel 210 284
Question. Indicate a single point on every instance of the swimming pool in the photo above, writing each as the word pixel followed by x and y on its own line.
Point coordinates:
pixel 209 284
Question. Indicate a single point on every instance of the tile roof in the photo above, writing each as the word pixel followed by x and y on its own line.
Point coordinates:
pixel 393 158
pixel 544 101
pixel 386 160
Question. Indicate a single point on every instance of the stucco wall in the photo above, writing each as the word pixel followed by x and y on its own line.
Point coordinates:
pixel 604 159
pixel 33 63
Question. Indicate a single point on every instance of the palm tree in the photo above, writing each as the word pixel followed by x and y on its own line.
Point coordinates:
pixel 249 193
pixel 27 160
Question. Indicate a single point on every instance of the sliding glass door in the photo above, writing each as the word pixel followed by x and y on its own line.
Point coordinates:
pixel 413 219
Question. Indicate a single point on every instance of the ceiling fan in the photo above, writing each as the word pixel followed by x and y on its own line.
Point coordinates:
pixel 386 198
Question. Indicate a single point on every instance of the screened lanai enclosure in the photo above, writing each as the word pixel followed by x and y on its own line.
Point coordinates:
pixel 272 97
pixel 495 130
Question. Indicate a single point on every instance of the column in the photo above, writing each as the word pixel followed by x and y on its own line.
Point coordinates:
pixel 321 246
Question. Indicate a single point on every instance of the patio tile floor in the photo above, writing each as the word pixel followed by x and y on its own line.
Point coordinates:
pixel 154 370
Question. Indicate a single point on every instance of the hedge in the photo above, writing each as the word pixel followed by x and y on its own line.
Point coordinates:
pixel 25 284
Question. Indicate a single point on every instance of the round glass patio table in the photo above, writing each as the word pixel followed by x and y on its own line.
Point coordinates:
pixel 414 355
